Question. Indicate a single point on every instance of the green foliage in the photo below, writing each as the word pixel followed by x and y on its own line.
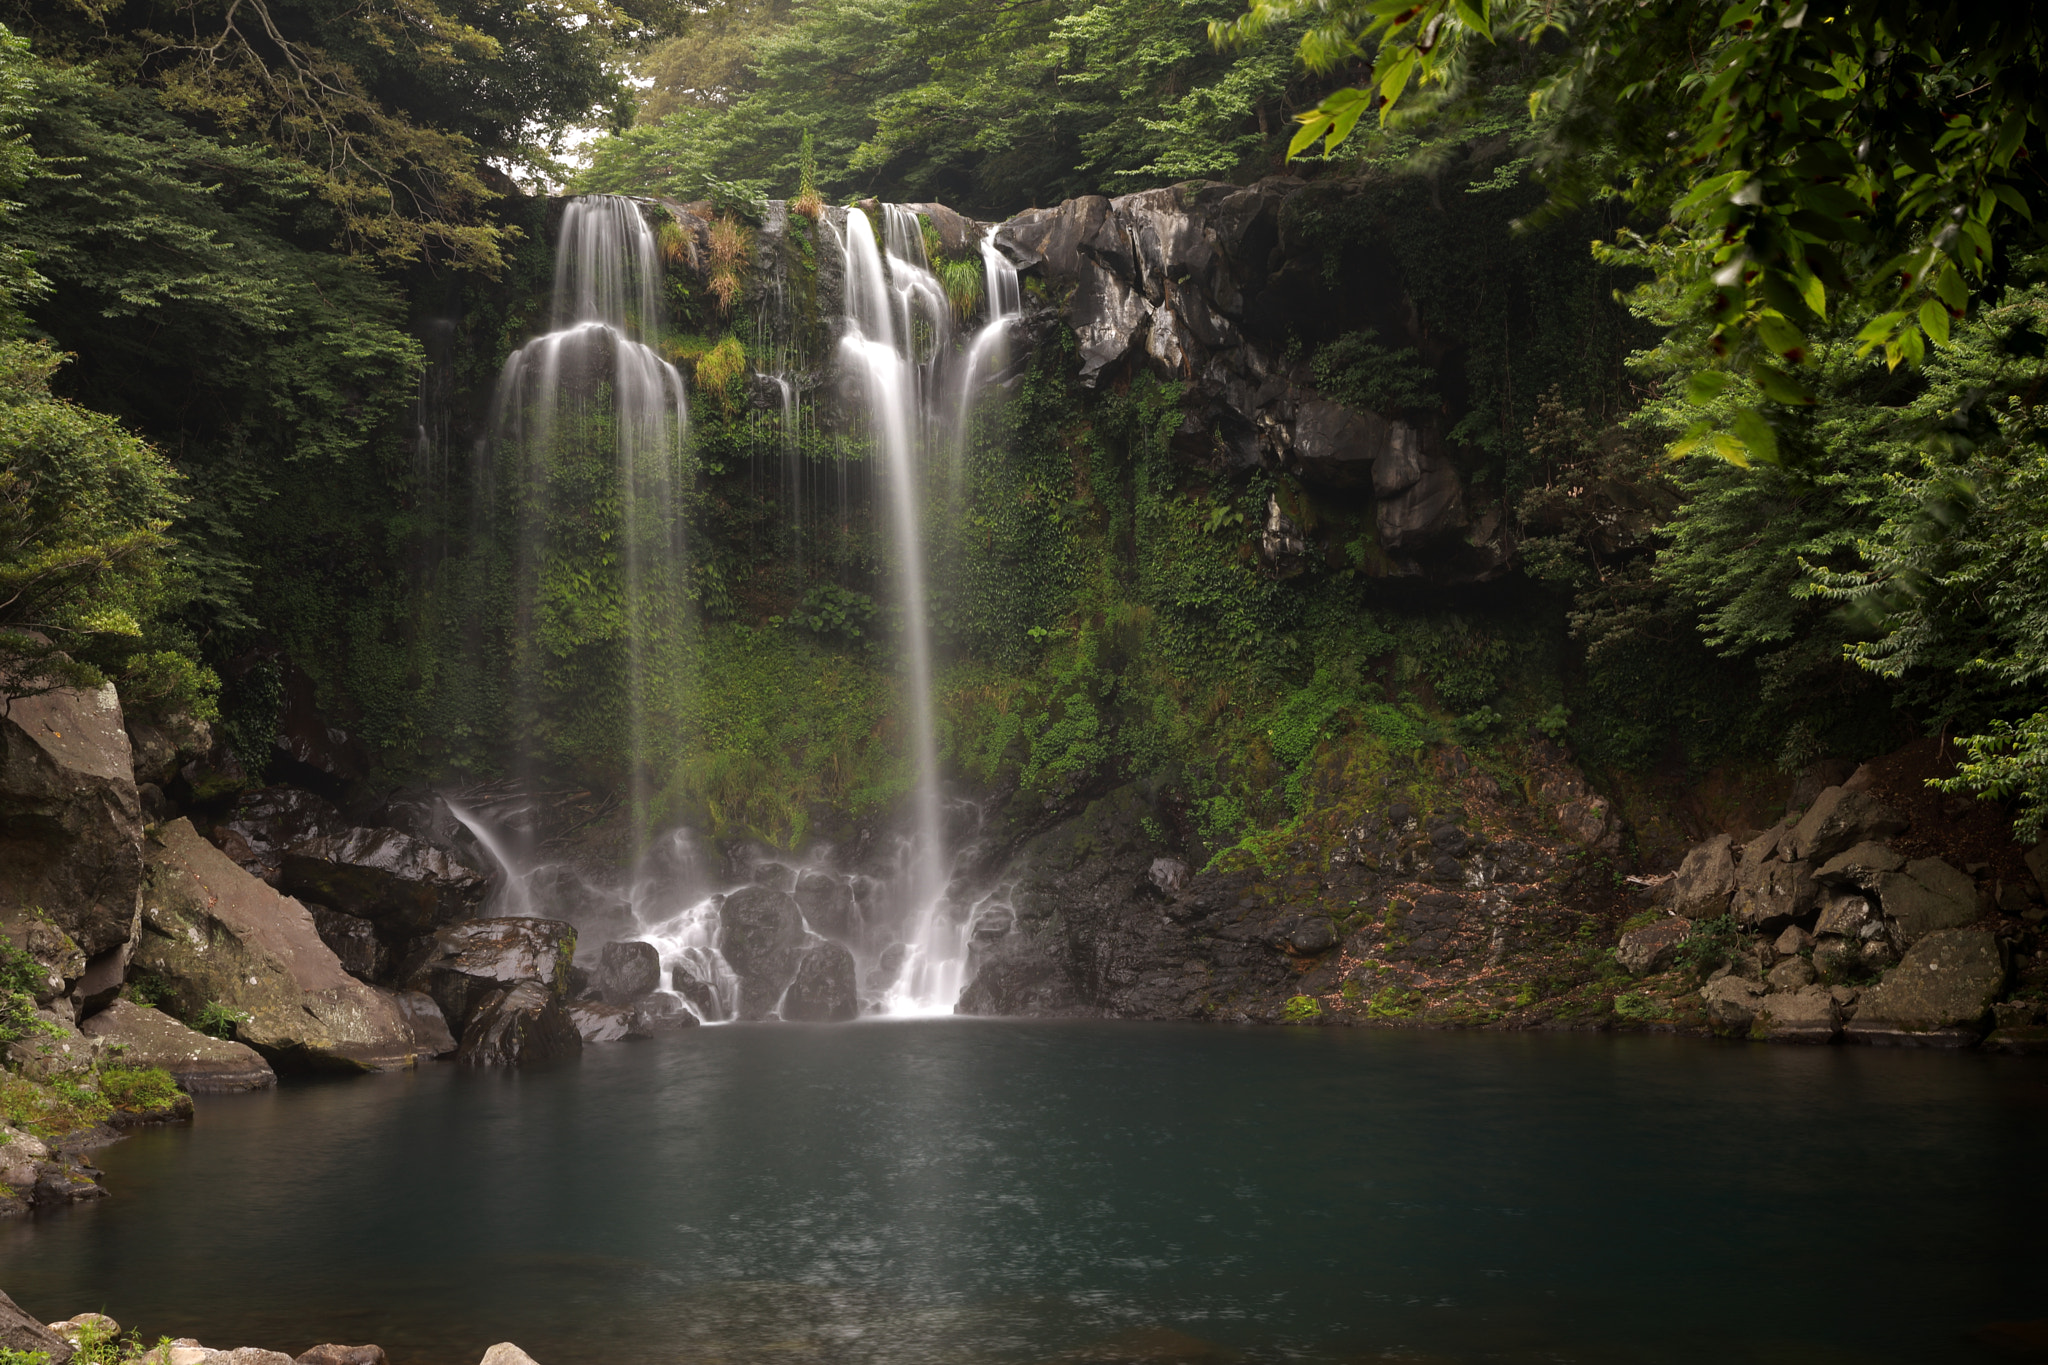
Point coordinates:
pixel 829 610
pixel 1392 1002
pixel 50 1109
pixel 10 1356
pixel 218 1020
pixel 139 1089
pixel 1641 1007
pixel 1357 370
pixel 1302 1009
pixel 21 977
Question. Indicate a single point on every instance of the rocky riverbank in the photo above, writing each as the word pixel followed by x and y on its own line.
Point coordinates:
pixel 96 1339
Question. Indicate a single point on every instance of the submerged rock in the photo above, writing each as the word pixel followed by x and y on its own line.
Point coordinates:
pixel 761 934
pixel 522 1025
pixel 464 963
pixel 627 972
pixel 824 991
pixel 141 1036
pixel 214 935
pixel 70 817
pixel 404 885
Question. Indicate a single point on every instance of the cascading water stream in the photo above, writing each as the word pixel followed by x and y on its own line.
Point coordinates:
pixel 988 354
pixel 550 405
pixel 893 314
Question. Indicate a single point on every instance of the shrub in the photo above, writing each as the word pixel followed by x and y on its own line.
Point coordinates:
pixel 139 1089
pixel 218 1020
pixel 1302 1009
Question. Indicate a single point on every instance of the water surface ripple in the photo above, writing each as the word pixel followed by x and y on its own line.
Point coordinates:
pixel 920 1192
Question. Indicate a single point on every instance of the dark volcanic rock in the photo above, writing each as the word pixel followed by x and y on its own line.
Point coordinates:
pixel 599 1022
pixel 824 991
pixel 70 818
pixel 270 820
pixel 1023 978
pixel 627 972
pixel 829 906
pixel 1839 820
pixel 659 1015
pixel 354 941
pixel 520 1026
pixel 464 963
pixel 761 934
pixel 403 885
pixel 1946 980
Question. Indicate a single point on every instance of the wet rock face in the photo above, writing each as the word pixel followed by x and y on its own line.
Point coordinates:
pixel 828 906
pixel 522 1025
pixel 627 972
pixel 202 1064
pixel 824 991
pixel 403 885
pixel 761 934
pixel 1205 283
pixel 214 934
pixel 354 941
pixel 429 1027
pixel 270 820
pixel 465 963
pixel 70 816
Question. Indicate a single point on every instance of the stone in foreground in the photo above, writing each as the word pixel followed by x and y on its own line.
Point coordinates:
pixel 20 1332
pixel 1804 1016
pixel 505 1353
pixel 430 1031
pixel 212 933
pixel 598 1021
pixel 521 1026
pixel 202 1064
pixel 1946 980
pixel 343 1355
pixel 761 934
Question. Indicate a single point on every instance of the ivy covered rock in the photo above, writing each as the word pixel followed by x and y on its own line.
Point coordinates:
pixel 218 941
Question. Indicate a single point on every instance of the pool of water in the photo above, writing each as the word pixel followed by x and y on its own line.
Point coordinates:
pixel 986 1191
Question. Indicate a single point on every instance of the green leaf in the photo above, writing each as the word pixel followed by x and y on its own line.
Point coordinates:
pixel 2013 200
pixel 1704 387
pixel 1780 335
pixel 1756 435
pixel 1949 285
pixel 1478 20
pixel 1780 387
pixel 1934 321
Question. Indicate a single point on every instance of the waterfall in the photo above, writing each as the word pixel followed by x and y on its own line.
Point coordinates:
pixel 596 380
pixel 988 354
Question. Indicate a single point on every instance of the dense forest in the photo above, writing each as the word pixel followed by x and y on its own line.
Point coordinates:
pixel 1753 389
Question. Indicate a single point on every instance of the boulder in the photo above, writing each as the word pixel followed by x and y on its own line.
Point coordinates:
pixel 1926 896
pixel 354 941
pixel 761 934
pixel 1790 974
pixel 1705 880
pixel 343 1355
pixel 505 1353
pixel 1770 895
pixel 824 991
pixel 828 906
pixel 1792 942
pixel 70 818
pixel 1653 947
pixel 1021 978
pixel 464 963
pixel 2019 1040
pixel 213 934
pixel 53 1050
pixel 1168 875
pixel 1845 913
pixel 627 972
pixel 1840 819
pixel 702 994
pixel 1732 1003
pixel 405 886
pixel 1306 936
pixel 1946 980
pixel 1838 960
pixel 159 748
pixel 140 1036
pixel 1807 1016
pixel 430 1032
pixel 1419 498
pixel 20 1332
pixel 269 820
pixel 599 1021
pixel 522 1025
pixel 1860 866
pixel 2037 863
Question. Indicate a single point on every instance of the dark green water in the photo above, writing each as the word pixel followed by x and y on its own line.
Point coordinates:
pixel 954 1191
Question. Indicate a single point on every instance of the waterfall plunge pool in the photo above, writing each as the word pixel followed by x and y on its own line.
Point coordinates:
pixel 1001 1191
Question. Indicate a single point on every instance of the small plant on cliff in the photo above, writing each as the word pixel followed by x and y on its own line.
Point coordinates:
pixel 1641 1006
pixel 808 201
pixel 20 977
pixel 218 1020
pixel 1392 1002
pixel 718 369
pixel 731 243
pixel 964 283
pixel 1302 1009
